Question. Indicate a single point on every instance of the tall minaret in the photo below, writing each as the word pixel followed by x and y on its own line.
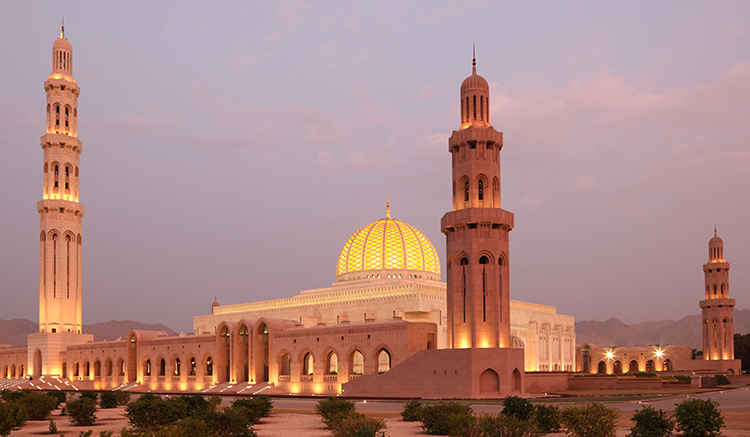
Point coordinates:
pixel 477 228
pixel 718 318
pixel 59 210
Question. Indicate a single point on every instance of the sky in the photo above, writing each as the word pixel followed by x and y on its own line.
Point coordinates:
pixel 231 148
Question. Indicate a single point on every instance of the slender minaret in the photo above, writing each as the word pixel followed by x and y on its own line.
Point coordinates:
pixel 59 210
pixel 477 228
pixel 718 319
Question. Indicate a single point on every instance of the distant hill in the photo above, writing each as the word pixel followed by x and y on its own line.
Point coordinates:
pixel 683 332
pixel 14 331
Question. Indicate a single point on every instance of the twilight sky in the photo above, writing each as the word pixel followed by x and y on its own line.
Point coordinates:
pixel 231 149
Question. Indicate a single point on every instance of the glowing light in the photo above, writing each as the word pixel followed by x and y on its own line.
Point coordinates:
pixel 610 354
pixel 659 353
pixel 388 244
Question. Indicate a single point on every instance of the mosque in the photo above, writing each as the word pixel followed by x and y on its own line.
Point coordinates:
pixel 387 326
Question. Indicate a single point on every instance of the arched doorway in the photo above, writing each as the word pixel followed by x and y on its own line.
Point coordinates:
pixel 37 363
pixel 489 382
pixel 308 364
pixel 384 361
pixel 650 367
pixel 357 363
pixel 132 358
pixel 260 353
pixel 242 353
pixel 223 355
pixel 617 368
pixel 285 364
pixel 586 358
pixel 633 366
pixel 667 366
pixel 601 368
pixel 516 381
pixel 332 363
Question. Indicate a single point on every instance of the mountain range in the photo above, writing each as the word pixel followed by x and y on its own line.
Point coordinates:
pixel 14 331
pixel 612 332
pixel 683 332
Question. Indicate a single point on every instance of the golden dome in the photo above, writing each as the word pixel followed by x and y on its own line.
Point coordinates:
pixel 388 244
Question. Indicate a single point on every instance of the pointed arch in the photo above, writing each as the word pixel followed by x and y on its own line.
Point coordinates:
pixel 284 363
pixel 332 361
pixel 489 382
pixel 517 381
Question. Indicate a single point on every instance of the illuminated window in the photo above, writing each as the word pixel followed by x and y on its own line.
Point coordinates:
pixel 480 189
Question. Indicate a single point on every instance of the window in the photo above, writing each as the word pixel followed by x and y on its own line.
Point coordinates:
pixel 480 189
pixel 466 191
pixel 176 367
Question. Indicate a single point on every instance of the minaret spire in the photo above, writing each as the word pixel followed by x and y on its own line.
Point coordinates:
pixel 387 206
pixel 474 58
pixel 62 31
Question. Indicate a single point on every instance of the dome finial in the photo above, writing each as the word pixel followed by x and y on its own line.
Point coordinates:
pixel 387 206
pixel 62 30
pixel 715 229
pixel 474 58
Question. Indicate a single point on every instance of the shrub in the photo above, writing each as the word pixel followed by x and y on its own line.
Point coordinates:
pixel 644 374
pixel 151 412
pixel 85 433
pixel 232 422
pixel 257 407
pixel 503 425
pixel 547 418
pixel 195 404
pixel 518 407
pixel 681 378
pixel 698 418
pixel 591 420
pixel 412 411
pixel 721 380
pixel 52 427
pixel 447 418
pixel 106 433
pixel 333 410
pixel 82 411
pixel 13 395
pixel 359 425
pixel 651 423
pixel 90 394
pixel 123 397
pixel 12 417
pixel 38 405
pixel 108 399
pixel 60 395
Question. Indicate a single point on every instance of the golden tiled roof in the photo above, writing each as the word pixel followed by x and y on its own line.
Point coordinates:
pixel 388 244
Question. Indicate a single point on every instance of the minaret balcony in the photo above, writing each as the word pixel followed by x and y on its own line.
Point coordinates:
pixel 495 216
pixel 59 204
pixel 474 133
pixel 63 140
pixel 719 302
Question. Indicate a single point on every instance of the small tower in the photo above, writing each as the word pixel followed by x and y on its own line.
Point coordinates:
pixel 718 320
pixel 60 214
pixel 477 229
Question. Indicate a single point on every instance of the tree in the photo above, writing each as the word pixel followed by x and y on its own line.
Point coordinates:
pixel 12 417
pixel 698 418
pixel 651 423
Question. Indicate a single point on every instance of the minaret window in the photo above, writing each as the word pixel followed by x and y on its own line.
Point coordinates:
pixel 464 262
pixel 480 190
pixel 466 191
pixel 475 107
pixel 484 261
pixel 481 107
